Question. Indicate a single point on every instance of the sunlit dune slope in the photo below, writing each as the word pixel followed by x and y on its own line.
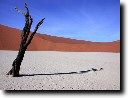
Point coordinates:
pixel 10 40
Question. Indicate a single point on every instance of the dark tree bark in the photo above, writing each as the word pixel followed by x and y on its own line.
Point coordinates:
pixel 26 38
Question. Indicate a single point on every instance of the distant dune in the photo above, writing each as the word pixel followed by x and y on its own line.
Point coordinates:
pixel 10 40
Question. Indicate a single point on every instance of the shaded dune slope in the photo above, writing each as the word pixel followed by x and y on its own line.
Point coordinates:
pixel 10 40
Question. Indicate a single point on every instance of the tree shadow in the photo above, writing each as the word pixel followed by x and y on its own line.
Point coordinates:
pixel 80 72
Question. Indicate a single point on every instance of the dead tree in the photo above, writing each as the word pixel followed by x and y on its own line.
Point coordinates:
pixel 26 38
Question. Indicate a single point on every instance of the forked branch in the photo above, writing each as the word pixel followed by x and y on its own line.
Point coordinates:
pixel 35 30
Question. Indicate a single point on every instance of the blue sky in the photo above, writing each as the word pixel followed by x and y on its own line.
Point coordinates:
pixel 92 20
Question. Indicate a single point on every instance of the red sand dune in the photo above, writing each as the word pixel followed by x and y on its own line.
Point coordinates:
pixel 10 40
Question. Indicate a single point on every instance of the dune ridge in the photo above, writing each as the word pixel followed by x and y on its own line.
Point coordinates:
pixel 10 40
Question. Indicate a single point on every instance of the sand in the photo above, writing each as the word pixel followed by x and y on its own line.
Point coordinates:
pixel 10 40
pixel 52 70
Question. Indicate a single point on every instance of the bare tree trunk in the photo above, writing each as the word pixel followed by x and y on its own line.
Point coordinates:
pixel 17 63
pixel 25 41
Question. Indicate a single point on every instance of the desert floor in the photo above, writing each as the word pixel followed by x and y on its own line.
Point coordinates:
pixel 52 70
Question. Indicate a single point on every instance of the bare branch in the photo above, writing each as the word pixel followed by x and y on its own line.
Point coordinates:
pixel 26 6
pixel 31 36
pixel 27 13
pixel 28 20
pixel 20 11
pixel 27 27
pixel 37 26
